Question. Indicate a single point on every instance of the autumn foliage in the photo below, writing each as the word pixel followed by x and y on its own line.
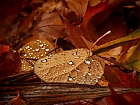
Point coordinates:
pixel 31 31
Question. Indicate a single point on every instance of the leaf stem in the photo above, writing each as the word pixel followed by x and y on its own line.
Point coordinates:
pixel 115 43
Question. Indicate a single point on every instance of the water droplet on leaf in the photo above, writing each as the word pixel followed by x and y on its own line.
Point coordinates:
pixel 87 61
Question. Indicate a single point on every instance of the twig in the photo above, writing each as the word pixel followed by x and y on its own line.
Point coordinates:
pixel 51 93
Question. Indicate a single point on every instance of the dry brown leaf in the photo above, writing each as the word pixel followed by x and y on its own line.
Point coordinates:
pixel 49 6
pixel 74 66
pixel 94 2
pixel 50 27
pixel 34 50
pixel 78 6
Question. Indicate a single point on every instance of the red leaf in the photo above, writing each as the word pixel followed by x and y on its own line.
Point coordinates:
pixel 4 48
pixel 77 35
pixel 117 78
pixel 117 99
pixel 10 63
pixel 91 11
pixel 74 35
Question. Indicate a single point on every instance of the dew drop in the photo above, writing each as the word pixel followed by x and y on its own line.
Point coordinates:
pixel 76 57
pixel 97 76
pixel 37 49
pixel 69 78
pixel 95 80
pixel 92 60
pixel 44 60
pixel 31 53
pixel 89 73
pixel 57 73
pixel 27 47
pixel 41 45
pixel 77 69
pixel 71 63
pixel 50 55
pixel 25 55
pixel 43 48
pixel 87 61
pixel 75 53
pixel 47 49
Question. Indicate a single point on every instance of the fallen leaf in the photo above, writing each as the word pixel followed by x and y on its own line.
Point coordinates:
pixel 114 99
pixel 17 100
pixel 10 63
pixel 132 58
pixel 74 33
pixel 117 78
pixel 95 2
pixel 9 14
pixel 91 11
pixel 50 26
pixel 4 48
pixel 77 35
pixel 79 7
pixel 72 66
pixel 34 50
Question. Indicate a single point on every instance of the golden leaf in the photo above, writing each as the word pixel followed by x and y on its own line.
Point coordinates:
pixel 73 66
pixel 34 50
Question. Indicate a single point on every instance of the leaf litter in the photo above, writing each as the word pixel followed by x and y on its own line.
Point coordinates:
pixel 72 63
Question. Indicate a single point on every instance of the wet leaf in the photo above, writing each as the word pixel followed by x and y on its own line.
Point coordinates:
pixel 34 50
pixel 72 66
